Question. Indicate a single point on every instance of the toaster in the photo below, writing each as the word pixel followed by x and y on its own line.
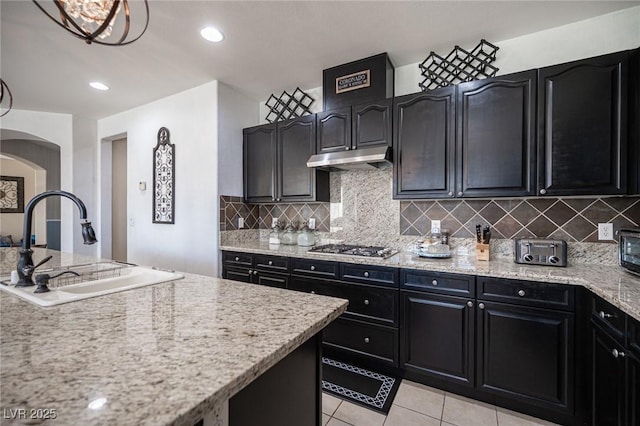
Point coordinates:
pixel 541 252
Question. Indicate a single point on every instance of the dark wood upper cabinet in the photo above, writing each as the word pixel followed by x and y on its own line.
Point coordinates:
pixel 371 124
pixel 260 163
pixel 275 163
pixel 424 144
pixel 495 145
pixel 334 130
pixel 582 127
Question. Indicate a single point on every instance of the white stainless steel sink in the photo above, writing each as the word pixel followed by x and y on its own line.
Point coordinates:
pixel 130 278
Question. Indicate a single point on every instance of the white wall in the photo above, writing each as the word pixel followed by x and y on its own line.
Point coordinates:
pixel 235 112
pixel 58 129
pixel 592 37
pixel 191 244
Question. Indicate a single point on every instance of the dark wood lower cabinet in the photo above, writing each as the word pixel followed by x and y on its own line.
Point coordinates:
pixel 526 354
pixel 633 388
pixel 607 381
pixel 438 336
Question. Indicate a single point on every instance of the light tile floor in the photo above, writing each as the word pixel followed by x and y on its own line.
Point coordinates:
pixel 420 405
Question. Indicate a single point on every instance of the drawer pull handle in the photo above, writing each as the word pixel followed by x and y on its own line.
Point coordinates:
pixel 313 268
pixel 481 305
pixel 521 293
pixel 470 304
pixel 366 275
pixel 604 315
pixel 366 340
pixel 366 301
pixel 270 262
pixel 434 282
pixel 617 353
pixel 237 259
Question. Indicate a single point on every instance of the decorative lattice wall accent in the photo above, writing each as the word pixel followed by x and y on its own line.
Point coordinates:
pixel 458 66
pixel 288 106
pixel 164 179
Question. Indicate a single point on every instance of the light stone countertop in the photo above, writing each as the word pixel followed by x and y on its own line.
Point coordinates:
pixel 162 354
pixel 610 282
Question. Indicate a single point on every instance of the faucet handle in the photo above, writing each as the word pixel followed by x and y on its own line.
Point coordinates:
pixel 43 261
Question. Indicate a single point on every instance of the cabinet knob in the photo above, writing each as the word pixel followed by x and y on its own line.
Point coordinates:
pixel 250 271
pixel 237 259
pixel 313 268
pixel 366 301
pixel 481 305
pixel 270 262
pixel 434 282
pixel 313 292
pixel 366 340
pixel 460 194
pixel 255 272
pixel 273 198
pixel 450 193
pixel 521 293
pixel 604 315
pixel 347 148
pixel 366 274
pixel 470 304
pixel 543 191
pixel 617 353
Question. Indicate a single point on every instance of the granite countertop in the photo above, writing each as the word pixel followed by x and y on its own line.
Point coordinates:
pixel 162 354
pixel 610 282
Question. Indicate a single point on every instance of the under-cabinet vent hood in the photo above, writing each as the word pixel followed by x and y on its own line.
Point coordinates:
pixel 377 157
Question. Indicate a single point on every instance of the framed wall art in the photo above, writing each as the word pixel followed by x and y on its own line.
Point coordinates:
pixel 11 194
pixel 164 171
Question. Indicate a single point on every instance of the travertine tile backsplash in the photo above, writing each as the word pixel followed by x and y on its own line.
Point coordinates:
pixel 361 208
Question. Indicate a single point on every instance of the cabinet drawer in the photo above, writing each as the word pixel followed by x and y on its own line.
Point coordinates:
pixel 236 258
pixel 456 285
pixel 236 274
pixel 530 293
pixel 608 317
pixel 367 274
pixel 367 303
pixel 376 341
pixel 315 268
pixel 272 263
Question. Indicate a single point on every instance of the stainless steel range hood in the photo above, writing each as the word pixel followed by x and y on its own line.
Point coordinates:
pixel 377 157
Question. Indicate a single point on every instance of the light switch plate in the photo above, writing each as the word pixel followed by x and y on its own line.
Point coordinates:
pixel 605 231
pixel 240 222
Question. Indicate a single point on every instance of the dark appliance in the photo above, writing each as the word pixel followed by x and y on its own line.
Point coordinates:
pixel 541 252
pixel 629 249
pixel 354 250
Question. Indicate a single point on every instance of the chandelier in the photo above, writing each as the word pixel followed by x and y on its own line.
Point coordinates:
pixel 94 20
pixel 5 89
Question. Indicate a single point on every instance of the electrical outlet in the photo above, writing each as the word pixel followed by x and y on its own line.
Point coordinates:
pixel 605 231
pixel 240 222
pixel 312 223
pixel 274 222
pixel 132 221
pixel 435 226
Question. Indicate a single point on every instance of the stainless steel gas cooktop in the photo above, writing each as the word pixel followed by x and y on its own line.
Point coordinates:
pixel 354 250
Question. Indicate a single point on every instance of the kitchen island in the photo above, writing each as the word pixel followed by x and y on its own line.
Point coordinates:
pixel 171 353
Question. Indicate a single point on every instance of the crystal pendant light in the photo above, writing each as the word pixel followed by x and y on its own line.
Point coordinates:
pixel 94 20
pixel 4 90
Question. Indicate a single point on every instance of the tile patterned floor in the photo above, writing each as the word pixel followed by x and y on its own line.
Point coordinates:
pixel 420 405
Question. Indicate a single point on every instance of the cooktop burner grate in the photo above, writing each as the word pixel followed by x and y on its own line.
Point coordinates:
pixel 354 250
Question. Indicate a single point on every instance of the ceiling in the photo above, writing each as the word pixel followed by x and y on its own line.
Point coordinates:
pixel 269 46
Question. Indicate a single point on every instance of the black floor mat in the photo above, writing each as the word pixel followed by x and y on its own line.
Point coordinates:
pixel 361 386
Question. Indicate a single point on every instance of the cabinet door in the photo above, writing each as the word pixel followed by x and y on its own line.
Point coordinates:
pixel 582 127
pixel 260 163
pixel 607 381
pixel 633 388
pixel 371 124
pixel 334 130
pixel 423 145
pixel 437 338
pixel 526 354
pixel 296 143
pixel 496 136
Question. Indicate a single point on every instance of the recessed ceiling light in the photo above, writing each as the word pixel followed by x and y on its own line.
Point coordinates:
pixel 99 86
pixel 211 34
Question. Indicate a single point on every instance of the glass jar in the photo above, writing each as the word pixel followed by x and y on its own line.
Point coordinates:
pixel 274 235
pixel 306 237
pixel 290 235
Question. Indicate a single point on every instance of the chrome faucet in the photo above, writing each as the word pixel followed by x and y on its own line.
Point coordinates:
pixel 25 263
